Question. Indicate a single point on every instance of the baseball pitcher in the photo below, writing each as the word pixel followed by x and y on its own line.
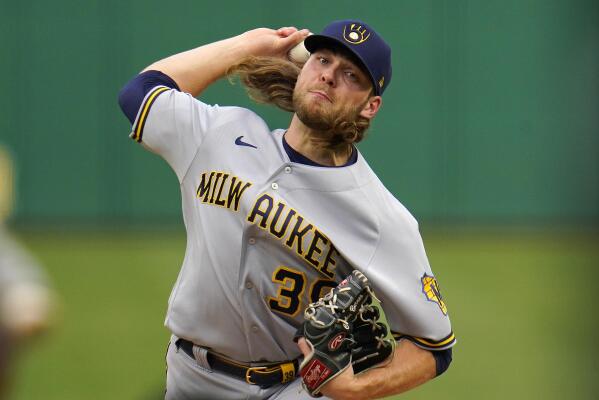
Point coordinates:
pixel 292 240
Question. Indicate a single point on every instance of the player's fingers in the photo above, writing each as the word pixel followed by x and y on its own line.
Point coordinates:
pixel 296 38
pixel 286 31
pixel 304 347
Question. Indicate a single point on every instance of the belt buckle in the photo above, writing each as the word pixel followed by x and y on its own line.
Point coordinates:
pixel 248 379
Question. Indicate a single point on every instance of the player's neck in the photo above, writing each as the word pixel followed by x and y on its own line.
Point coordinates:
pixel 310 144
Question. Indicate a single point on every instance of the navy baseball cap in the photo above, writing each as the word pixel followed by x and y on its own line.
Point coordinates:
pixel 363 42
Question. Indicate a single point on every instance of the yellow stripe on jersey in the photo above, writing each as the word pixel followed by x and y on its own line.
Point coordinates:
pixel 145 109
pixel 446 342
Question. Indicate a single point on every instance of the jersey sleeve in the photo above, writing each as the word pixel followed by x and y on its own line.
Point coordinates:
pixel 173 125
pixel 405 284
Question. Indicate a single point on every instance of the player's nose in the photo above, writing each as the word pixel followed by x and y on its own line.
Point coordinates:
pixel 327 76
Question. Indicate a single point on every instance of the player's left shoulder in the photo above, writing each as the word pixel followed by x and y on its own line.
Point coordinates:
pixel 386 205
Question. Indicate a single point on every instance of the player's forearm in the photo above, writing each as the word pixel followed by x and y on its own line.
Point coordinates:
pixel 411 366
pixel 194 70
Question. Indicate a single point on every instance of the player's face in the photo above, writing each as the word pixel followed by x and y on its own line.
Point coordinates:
pixel 331 87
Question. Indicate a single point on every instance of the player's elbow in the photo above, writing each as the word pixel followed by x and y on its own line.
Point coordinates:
pixel 129 100
pixel 443 359
pixel 133 93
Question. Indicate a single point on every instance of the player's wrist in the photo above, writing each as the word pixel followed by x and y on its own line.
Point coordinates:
pixel 249 43
pixel 357 387
pixel 345 387
pixel 240 46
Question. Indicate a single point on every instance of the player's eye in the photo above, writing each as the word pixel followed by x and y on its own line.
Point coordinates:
pixel 323 60
pixel 351 76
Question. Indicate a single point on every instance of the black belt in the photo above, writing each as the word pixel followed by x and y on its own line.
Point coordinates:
pixel 265 375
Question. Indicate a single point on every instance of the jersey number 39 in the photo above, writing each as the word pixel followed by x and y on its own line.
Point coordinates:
pixel 292 284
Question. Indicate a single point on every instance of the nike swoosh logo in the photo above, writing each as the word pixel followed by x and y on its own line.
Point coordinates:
pixel 240 142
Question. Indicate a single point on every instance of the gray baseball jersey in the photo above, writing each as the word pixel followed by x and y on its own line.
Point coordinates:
pixel 266 236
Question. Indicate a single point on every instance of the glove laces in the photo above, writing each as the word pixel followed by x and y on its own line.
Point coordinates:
pixel 329 302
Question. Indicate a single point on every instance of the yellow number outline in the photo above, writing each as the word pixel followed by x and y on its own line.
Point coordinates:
pixel 283 301
pixel 319 294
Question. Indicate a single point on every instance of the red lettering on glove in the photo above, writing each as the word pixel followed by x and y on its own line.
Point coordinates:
pixel 314 374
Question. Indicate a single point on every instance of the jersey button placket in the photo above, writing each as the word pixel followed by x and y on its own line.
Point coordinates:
pixel 287 170
pixel 274 186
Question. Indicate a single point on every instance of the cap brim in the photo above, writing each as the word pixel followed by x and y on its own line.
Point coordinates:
pixel 315 42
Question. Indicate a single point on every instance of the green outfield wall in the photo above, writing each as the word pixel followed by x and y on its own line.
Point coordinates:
pixel 492 114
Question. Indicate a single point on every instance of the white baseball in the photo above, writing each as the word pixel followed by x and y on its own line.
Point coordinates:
pixel 299 54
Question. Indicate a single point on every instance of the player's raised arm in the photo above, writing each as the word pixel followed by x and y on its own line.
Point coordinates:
pixel 144 103
pixel 195 69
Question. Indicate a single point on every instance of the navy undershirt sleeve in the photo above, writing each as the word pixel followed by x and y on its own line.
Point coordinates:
pixel 132 94
pixel 442 359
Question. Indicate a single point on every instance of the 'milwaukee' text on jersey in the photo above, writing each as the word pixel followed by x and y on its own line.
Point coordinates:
pixel 266 236
pixel 276 218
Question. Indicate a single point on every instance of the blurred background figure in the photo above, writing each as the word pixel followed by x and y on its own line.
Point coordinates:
pixel 26 301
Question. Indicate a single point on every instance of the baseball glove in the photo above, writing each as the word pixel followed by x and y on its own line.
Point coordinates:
pixel 371 347
pixel 330 331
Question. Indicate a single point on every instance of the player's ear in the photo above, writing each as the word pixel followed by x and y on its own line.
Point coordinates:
pixel 371 107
